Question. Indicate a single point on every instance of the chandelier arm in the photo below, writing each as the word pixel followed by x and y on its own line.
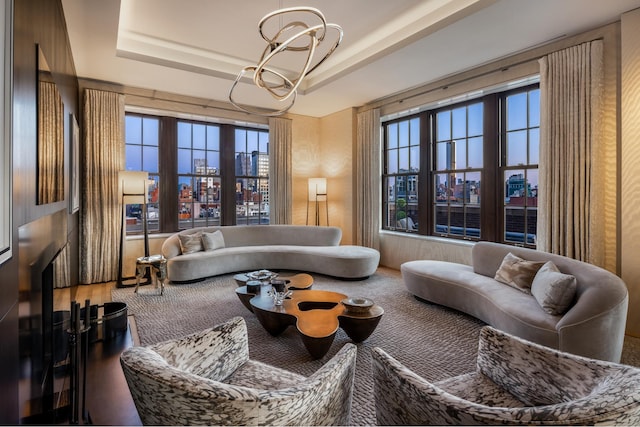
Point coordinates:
pixel 295 83
pixel 257 77
pixel 284 11
pixel 259 80
pixel 333 48
pixel 256 111
pixel 272 44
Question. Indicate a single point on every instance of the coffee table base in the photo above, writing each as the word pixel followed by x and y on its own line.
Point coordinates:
pixel 317 315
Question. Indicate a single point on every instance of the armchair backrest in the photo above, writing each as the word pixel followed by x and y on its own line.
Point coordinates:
pixel 182 382
pixel 214 353
pixel 539 375
pixel 166 395
pixel 609 395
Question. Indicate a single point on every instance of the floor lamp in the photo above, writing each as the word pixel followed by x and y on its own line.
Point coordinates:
pixel 133 187
pixel 317 194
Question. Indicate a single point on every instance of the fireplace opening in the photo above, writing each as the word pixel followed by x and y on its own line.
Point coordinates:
pixel 41 332
pixel 43 353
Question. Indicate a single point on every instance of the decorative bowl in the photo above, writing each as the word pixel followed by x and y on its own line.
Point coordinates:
pixel 261 275
pixel 357 304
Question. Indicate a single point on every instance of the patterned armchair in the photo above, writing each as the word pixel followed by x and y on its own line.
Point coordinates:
pixel 207 379
pixel 516 382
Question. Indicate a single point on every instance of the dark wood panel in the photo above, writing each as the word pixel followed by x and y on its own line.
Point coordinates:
pixel 35 22
pixel 9 364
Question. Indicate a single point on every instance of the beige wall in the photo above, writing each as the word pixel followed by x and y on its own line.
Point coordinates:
pixel 306 163
pixel 629 224
pixel 336 147
pixel 324 148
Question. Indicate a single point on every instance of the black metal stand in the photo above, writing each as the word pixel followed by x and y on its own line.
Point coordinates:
pixel 317 208
pixel 78 352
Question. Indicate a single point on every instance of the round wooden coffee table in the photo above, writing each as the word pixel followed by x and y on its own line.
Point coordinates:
pixel 317 315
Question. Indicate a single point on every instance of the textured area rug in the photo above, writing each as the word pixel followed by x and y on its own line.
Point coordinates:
pixel 434 341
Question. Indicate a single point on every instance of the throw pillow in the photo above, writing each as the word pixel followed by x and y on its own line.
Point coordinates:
pixel 553 290
pixel 190 243
pixel 517 272
pixel 213 241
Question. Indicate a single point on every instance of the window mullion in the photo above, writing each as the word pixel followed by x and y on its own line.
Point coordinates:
pixel 490 201
pixel 227 175
pixel 425 176
pixel 168 174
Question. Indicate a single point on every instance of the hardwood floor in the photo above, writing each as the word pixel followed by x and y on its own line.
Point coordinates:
pixel 108 400
pixel 97 294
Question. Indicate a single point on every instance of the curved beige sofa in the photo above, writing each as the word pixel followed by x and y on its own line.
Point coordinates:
pixel 279 247
pixel 593 326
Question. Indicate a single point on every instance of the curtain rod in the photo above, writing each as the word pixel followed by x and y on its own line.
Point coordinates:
pixel 562 40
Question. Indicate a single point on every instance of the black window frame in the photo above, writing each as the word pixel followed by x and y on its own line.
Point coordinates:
pixel 168 170
pixel 198 176
pixel 403 202
pixel 260 180
pixel 504 167
pixel 462 231
pixel 492 220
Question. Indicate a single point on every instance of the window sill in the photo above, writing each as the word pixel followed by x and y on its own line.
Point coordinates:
pixel 152 236
pixel 465 243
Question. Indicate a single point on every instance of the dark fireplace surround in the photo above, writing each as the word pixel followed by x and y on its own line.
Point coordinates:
pixel 40 242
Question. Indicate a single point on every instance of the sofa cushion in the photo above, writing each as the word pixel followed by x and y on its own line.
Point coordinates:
pixel 553 290
pixel 517 272
pixel 212 241
pixel 190 243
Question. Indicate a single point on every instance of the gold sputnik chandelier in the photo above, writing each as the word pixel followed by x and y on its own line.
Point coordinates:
pixel 296 36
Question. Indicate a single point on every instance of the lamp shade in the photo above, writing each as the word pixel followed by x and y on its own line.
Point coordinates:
pixel 317 187
pixel 134 186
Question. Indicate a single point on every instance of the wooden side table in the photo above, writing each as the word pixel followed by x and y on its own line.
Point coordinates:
pixel 158 266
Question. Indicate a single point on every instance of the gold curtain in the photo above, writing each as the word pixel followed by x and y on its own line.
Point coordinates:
pixel 571 196
pixel 280 191
pixel 367 186
pixel 50 144
pixel 61 269
pixel 101 213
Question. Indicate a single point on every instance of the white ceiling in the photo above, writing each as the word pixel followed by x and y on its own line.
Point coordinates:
pixel 197 47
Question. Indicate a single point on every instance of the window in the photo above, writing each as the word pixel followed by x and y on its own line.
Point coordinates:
pixel 478 165
pixel 141 151
pixel 202 167
pixel 199 184
pixel 252 176
pixel 402 165
pixel 458 170
pixel 521 136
